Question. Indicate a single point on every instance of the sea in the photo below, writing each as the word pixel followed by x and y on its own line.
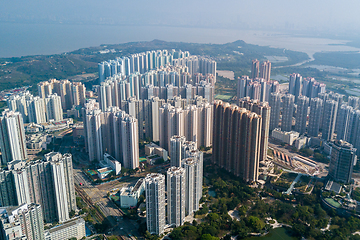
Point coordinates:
pixel 23 39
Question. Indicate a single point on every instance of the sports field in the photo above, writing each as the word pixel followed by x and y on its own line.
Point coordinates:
pixel 92 172
pixel 223 97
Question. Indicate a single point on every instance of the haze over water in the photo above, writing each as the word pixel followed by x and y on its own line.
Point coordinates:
pixel 49 27
pixel 34 39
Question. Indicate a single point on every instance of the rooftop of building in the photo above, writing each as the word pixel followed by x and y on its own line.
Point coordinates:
pixel 67 224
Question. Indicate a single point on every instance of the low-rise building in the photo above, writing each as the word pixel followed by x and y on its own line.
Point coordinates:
pixel 37 142
pixel 53 126
pixel 153 149
pixel 286 137
pixel 129 196
pixel 103 172
pixel 75 228
pixel 301 142
pixel 111 162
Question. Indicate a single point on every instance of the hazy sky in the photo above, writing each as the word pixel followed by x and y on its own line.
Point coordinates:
pixel 316 15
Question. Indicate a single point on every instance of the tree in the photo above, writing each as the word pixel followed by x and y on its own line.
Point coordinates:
pixel 208 237
pixel 71 213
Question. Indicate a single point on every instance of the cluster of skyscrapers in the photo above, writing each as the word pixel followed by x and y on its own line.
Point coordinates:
pixel 114 132
pixel 160 74
pixel 48 182
pixel 153 96
pixel 257 88
pixel 36 109
pixel 44 189
pixel 150 60
pixel 261 71
pixel 70 93
pixel 183 187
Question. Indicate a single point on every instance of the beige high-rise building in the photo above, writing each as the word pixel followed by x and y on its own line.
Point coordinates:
pixel 66 94
pixel 265 70
pixel 264 110
pixel 69 93
pixel 237 140
pixel 78 94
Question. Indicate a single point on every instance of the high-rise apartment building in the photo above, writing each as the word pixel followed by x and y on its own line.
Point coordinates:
pixel 155 203
pixel 193 184
pixel 287 112
pixel 343 157
pixel 37 110
pixel 345 120
pixel 23 222
pixel 12 137
pixel 113 132
pixel 151 118
pixel 329 120
pixel 354 102
pixel 130 142
pixel 265 70
pixel 176 145
pixel 176 196
pixel 236 140
pixel 53 107
pixel 19 103
pixel 70 93
pixel 78 94
pixel 301 114
pixel 264 110
pixel 275 104
pixel 51 185
pixel 7 189
pixel 171 122
pixel 316 106
pixel 255 67
pixel 295 85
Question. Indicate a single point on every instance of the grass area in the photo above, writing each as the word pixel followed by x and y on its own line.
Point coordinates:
pixel 223 97
pixel 332 202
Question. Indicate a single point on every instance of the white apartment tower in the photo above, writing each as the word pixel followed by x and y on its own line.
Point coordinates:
pixel 316 106
pixel 155 203
pixel 53 107
pixel 176 145
pixel 176 196
pixel 193 184
pixel 287 112
pixel 130 142
pixel 12 137
pixel 301 114
pixel 37 110
pixel 23 222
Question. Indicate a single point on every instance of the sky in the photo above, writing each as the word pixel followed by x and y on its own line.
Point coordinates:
pixel 331 16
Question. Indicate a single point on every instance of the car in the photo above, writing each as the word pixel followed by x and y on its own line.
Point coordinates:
pixel 121 228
